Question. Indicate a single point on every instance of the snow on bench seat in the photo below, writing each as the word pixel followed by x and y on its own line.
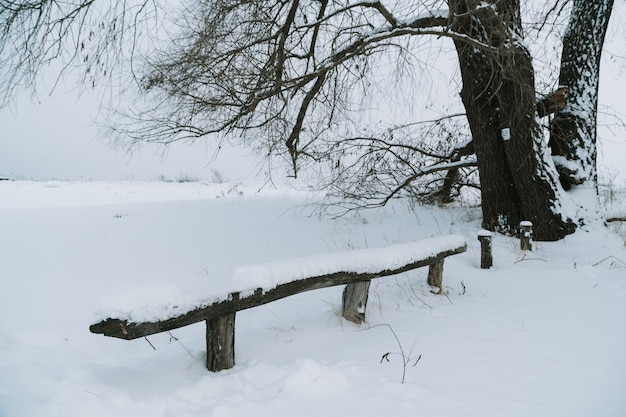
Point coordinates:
pixel 358 261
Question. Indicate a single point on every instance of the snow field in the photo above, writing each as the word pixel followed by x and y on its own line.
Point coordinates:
pixel 540 333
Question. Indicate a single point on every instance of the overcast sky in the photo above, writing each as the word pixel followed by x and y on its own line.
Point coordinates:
pixel 55 137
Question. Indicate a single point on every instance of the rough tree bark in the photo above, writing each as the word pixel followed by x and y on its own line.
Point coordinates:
pixel 573 130
pixel 517 181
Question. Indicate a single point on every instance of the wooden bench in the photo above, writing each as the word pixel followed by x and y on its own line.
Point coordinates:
pixel 355 268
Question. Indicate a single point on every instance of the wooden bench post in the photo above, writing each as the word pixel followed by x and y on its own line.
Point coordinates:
pixel 435 275
pixel 526 234
pixel 354 301
pixel 486 258
pixel 220 341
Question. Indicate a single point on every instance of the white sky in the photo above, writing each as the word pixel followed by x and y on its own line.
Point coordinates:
pixel 56 137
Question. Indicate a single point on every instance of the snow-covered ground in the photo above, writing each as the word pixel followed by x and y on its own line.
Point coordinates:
pixel 542 333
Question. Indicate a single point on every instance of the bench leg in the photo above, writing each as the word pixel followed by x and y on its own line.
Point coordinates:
pixel 220 343
pixel 355 301
pixel 435 275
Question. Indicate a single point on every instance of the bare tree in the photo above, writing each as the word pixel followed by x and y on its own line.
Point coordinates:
pixel 291 75
pixel 427 161
pixel 38 34
pixel 274 65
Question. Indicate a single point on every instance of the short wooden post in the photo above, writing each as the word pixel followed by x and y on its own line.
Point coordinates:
pixel 526 235
pixel 486 258
pixel 354 301
pixel 220 341
pixel 435 275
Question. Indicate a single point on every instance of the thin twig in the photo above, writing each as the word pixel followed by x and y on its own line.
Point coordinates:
pixel 530 259
pixel 151 345
pixel 611 257
pixel 406 359
pixel 172 337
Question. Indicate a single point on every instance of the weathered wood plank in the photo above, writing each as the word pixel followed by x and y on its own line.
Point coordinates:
pixel 486 257
pixel 220 343
pixel 435 275
pixel 123 329
pixel 354 301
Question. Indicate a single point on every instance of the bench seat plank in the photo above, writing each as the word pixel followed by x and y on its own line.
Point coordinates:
pixel 442 247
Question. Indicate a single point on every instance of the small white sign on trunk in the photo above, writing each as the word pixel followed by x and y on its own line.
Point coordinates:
pixel 506 133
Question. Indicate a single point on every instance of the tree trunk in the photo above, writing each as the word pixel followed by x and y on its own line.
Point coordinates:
pixel 573 130
pixel 517 180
